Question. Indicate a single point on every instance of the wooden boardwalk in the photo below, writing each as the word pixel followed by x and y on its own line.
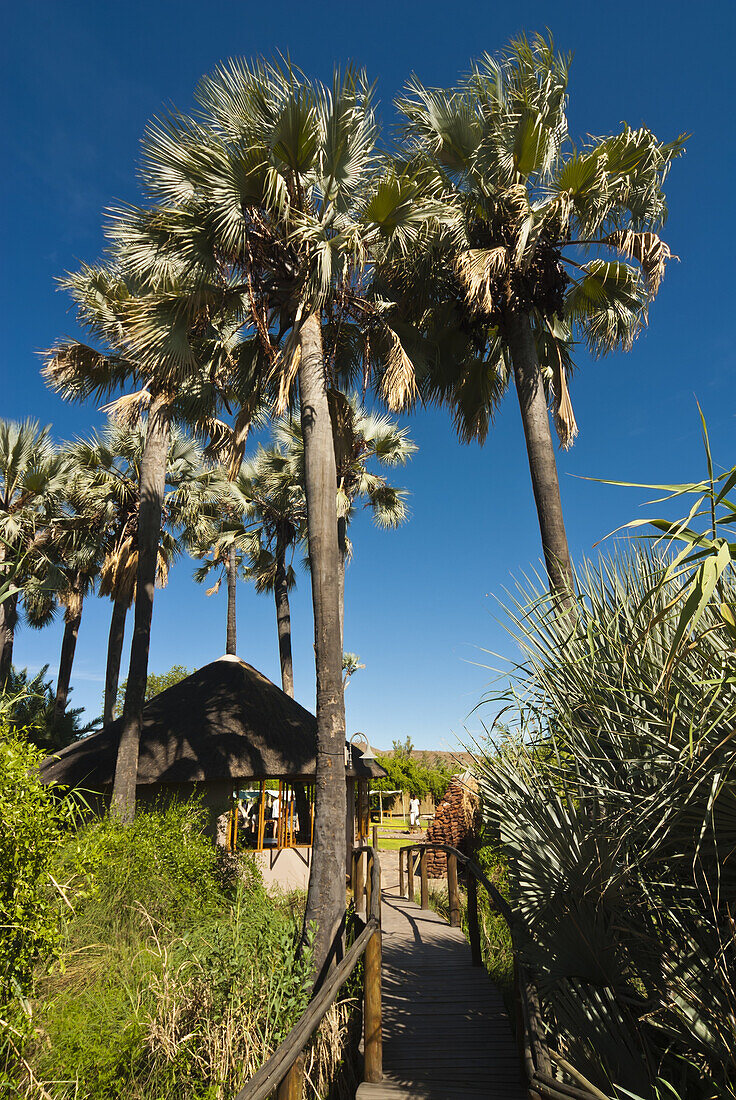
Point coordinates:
pixel 446 1034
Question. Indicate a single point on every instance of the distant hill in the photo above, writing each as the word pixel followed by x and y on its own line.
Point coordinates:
pixel 458 761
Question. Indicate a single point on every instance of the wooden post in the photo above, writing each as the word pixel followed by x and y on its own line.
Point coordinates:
pixel 410 874
pixel 401 874
pixel 424 878
pixel 261 816
pixel 292 1086
pixel 375 837
pixel 368 883
pixel 452 890
pixel 359 881
pixel 473 928
pixel 372 1034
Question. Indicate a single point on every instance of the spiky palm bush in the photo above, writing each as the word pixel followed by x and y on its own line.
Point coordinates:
pixel 615 800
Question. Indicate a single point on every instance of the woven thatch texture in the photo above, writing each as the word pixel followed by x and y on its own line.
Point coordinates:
pixel 225 721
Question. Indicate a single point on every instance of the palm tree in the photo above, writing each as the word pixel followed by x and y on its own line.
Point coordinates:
pixel 76 545
pixel 262 519
pixel 506 284
pixel 271 489
pixel 360 438
pixel 109 304
pixel 28 704
pixel 280 177
pixel 219 548
pixel 112 460
pixel 33 476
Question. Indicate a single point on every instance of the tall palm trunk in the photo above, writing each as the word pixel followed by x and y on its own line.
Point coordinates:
pixel 231 570
pixel 152 488
pixel 72 620
pixel 342 549
pixel 326 894
pixel 283 617
pixel 114 654
pixel 8 619
pixel 541 454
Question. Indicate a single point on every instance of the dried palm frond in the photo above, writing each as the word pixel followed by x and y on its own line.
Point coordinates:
pixel 128 409
pixel 564 417
pixel 118 572
pixel 287 366
pixel 650 251
pixel 239 439
pixel 398 384
pixel 477 269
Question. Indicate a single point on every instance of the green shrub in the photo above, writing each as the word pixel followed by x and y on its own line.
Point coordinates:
pixel 30 830
pixel 175 976
pixel 162 864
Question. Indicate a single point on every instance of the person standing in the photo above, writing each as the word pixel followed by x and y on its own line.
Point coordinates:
pixel 414 812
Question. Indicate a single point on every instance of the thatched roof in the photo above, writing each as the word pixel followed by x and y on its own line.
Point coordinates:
pixel 225 721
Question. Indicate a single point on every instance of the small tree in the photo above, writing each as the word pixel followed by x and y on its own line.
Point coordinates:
pixel 158 682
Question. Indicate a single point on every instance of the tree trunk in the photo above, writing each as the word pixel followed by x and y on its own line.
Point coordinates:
pixel 114 653
pixel 232 577
pixel 342 549
pixel 152 488
pixel 541 454
pixel 8 619
pixel 326 894
pixel 283 618
pixel 72 619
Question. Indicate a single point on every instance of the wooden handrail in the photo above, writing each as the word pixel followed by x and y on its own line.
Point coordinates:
pixel 286 1058
pixel 536 1057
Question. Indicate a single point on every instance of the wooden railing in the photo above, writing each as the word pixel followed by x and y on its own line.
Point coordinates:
pixel 537 1058
pixel 283 1073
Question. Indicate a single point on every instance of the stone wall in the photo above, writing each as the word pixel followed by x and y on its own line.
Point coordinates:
pixel 455 820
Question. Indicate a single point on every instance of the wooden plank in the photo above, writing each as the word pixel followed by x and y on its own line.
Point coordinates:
pixel 446 1034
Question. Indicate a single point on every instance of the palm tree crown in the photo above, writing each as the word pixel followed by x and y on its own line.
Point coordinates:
pixel 541 244
pixel 33 479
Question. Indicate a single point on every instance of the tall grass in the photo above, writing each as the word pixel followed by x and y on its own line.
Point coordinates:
pixel 178 976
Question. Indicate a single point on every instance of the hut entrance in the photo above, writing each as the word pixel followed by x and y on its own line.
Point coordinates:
pixel 275 814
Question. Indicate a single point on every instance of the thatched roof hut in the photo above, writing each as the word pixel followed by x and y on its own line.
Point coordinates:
pixel 225 723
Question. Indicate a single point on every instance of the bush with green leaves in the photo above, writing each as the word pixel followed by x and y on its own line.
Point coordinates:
pixel 176 973
pixel 615 802
pixel 161 863
pixel 406 773
pixel 155 684
pixel 30 830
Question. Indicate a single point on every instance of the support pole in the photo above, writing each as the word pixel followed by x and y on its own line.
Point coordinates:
pixel 452 890
pixel 401 874
pixel 410 874
pixel 292 1086
pixel 359 887
pixel 375 837
pixel 368 883
pixel 473 927
pixel 373 1035
pixel 424 878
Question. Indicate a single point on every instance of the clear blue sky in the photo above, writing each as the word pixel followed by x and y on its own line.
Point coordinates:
pixel 81 79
